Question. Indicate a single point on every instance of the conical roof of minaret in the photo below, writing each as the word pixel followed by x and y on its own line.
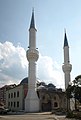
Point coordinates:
pixel 65 40
pixel 32 24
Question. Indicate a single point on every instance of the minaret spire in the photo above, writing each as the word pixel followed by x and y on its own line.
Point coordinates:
pixel 32 24
pixel 65 40
pixel 67 67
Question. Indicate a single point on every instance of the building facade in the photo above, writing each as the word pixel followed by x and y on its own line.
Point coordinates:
pixel 15 97
pixel 50 98
pixel 3 93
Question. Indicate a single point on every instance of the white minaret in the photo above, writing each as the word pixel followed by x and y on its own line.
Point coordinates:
pixel 67 67
pixel 32 54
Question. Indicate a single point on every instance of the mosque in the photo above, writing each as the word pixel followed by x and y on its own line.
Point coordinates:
pixel 32 96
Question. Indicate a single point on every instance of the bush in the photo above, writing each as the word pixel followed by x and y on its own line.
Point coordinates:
pixel 70 114
pixel 75 114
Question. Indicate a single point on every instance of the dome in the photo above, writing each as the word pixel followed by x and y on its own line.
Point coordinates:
pixel 43 83
pixel 41 87
pixel 25 80
pixel 51 87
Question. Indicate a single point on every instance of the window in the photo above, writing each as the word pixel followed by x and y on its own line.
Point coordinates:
pixel 55 104
pixel 14 94
pixel 8 103
pixel 17 93
pixel 14 104
pixel 17 103
pixel 11 95
pixel 11 104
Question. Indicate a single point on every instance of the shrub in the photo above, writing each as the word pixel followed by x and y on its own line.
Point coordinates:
pixel 70 114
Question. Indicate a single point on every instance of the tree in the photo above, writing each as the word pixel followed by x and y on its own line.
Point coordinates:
pixel 77 89
pixel 74 90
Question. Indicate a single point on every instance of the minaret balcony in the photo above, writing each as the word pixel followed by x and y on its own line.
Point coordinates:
pixel 32 54
pixel 67 68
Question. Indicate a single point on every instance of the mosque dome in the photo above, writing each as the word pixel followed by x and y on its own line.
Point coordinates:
pixel 51 87
pixel 24 81
pixel 41 87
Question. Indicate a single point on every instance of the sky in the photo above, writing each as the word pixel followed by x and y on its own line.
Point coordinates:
pixel 51 18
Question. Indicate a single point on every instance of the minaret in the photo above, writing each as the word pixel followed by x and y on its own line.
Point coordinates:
pixel 67 67
pixel 32 54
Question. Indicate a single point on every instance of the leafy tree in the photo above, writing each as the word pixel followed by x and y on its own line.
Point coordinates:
pixel 74 90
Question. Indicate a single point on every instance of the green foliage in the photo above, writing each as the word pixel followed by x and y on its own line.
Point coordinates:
pixel 70 114
pixel 77 115
pixel 77 80
pixel 74 90
pixel 73 114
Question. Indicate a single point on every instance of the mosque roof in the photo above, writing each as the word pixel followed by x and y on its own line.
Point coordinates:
pixel 51 87
pixel 25 80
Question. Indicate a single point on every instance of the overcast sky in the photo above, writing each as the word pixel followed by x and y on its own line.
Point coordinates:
pixel 51 18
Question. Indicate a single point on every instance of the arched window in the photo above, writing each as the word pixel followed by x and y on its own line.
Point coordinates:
pixel 55 104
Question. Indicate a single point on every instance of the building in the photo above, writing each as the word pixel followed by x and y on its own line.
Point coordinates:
pixel 15 97
pixel 3 93
pixel 50 98
pixel 32 97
